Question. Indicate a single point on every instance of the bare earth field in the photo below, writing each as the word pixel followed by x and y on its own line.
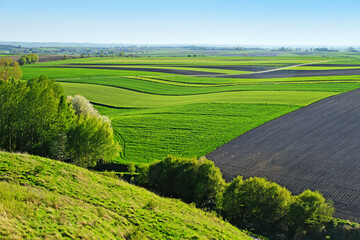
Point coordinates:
pixel 297 73
pixel 250 68
pixel 161 70
pixel 316 147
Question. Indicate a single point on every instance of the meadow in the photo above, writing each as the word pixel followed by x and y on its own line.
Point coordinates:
pixel 159 113
pixel 46 199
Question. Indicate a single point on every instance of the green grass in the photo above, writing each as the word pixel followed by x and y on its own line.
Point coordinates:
pixel 168 87
pixel 58 73
pixel 205 61
pixel 160 114
pixel 46 199
pixel 186 130
pixel 115 97
pixel 210 70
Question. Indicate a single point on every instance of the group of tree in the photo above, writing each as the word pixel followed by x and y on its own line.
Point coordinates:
pixel 9 69
pixel 37 118
pixel 255 203
pixel 28 59
pixel 191 180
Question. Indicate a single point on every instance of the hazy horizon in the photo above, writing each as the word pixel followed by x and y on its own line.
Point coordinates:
pixel 159 22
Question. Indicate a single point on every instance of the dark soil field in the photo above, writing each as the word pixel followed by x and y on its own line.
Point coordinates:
pixel 297 73
pixel 316 147
pixel 250 68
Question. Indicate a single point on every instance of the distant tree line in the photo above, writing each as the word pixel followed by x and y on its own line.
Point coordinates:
pixel 256 204
pixel 38 119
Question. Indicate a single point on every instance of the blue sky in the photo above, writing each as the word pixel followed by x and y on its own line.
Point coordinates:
pixel 242 22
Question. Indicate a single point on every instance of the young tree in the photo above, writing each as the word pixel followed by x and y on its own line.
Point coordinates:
pixel 90 136
pixel 90 139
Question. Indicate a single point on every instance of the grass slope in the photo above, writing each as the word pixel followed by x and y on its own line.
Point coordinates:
pixel 47 199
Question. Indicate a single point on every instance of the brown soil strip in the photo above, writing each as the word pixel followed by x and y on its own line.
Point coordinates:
pixel 173 71
pixel 250 68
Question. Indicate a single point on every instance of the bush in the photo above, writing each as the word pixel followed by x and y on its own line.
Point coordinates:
pixel 255 202
pixel 309 212
pixel 191 180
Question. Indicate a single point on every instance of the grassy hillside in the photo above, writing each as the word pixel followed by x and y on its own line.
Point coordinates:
pixel 47 199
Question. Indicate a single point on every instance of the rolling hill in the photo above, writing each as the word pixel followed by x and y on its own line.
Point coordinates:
pixel 47 199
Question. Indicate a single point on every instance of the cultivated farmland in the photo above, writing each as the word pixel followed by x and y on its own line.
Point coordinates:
pixel 156 113
pixel 316 147
pixel 192 106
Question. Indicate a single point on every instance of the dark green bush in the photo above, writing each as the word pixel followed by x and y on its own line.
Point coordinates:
pixel 255 202
pixel 309 212
pixel 191 180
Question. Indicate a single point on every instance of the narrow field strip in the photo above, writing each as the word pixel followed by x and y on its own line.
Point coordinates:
pixel 222 70
pixel 174 90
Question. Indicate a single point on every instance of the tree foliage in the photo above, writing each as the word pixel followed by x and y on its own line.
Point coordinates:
pixel 36 118
pixel 309 211
pixel 28 59
pixel 29 115
pixel 9 70
pixel 255 201
pixel 191 180
pixel 90 139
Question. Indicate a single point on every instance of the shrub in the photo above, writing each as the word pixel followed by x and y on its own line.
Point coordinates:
pixel 255 202
pixel 309 212
pixel 191 180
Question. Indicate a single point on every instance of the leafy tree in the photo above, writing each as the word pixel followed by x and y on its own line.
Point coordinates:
pixel 90 139
pixel 309 212
pixel 9 70
pixel 11 95
pixel 191 180
pixel 28 59
pixel 34 58
pixel 255 202
pixel 82 106
pixel 28 119
pixel 22 60
pixel 90 135
pixel 36 118
pixel 39 110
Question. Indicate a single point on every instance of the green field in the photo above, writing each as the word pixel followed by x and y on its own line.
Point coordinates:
pixel 156 114
pixel 47 199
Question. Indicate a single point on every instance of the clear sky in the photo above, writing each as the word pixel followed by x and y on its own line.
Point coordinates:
pixel 234 22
